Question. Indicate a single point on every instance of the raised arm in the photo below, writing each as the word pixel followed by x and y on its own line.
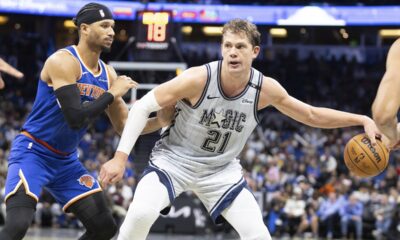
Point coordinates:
pixel 188 85
pixel 272 93
pixel 387 101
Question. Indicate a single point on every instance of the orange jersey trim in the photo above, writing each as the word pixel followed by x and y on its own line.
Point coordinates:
pixel 43 143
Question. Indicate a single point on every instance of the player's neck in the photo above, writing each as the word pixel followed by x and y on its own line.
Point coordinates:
pixel 234 83
pixel 89 56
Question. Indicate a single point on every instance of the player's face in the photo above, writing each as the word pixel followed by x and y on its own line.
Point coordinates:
pixel 237 51
pixel 102 34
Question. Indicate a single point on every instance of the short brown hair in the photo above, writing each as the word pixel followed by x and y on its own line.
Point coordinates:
pixel 243 26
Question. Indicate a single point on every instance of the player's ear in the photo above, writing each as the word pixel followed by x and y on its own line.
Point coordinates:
pixel 84 29
pixel 256 51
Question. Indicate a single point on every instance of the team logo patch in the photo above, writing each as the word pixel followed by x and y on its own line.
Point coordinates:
pixel 86 180
pixel 244 100
pixel 102 13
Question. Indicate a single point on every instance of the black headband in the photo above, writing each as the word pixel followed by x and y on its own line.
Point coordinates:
pixel 92 12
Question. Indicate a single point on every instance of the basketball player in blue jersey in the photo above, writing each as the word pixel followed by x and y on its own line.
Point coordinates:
pixel 387 101
pixel 75 87
pixel 217 107
pixel 7 68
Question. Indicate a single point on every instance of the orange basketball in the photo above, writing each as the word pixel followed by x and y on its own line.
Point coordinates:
pixel 363 159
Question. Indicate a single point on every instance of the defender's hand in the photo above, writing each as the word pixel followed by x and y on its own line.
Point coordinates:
pixel 121 85
pixel 111 172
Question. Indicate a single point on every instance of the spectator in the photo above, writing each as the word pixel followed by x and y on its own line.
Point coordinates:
pixel 308 220
pixel 383 215
pixel 351 214
pixel 294 210
pixel 328 212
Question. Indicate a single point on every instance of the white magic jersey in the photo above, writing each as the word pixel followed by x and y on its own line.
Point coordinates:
pixel 213 132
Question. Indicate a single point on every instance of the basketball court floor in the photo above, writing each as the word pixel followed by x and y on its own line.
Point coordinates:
pixel 71 234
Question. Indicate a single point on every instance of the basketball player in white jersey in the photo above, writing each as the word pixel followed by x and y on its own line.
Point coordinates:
pixel 387 100
pixel 217 107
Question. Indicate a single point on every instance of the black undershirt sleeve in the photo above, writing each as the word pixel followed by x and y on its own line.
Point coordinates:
pixel 77 114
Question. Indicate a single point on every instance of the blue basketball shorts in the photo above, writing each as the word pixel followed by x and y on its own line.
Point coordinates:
pixel 35 167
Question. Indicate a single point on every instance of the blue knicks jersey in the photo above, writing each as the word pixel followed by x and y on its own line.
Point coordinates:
pixel 46 121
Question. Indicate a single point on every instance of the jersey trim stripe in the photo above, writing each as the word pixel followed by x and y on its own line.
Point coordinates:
pixel 22 181
pixel 257 98
pixel 164 179
pixel 75 199
pixel 44 144
pixel 76 59
pixel 107 74
pixel 203 94
pixel 220 84
pixel 83 63
pixel 155 167
pixel 227 198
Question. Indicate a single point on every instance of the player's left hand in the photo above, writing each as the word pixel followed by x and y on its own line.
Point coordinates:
pixel 371 130
pixel 111 172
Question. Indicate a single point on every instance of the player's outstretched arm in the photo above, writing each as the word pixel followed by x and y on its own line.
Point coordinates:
pixel 387 101
pixel 272 93
pixel 185 86
pixel 7 68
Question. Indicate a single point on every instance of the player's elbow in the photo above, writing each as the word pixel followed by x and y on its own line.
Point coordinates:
pixel 312 118
pixel 145 106
pixel 383 118
pixel 382 115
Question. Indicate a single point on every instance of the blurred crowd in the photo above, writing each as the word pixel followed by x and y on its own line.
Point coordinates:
pixel 308 188
pixel 300 170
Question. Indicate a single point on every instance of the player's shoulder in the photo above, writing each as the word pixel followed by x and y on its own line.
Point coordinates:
pixel 393 58
pixel 195 75
pixel 62 59
pixel 268 83
pixel 111 71
pixel 197 71
pixel 396 43
pixel 271 91
pixel 61 63
pixel 395 46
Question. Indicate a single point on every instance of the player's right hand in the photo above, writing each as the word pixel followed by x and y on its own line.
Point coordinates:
pixel 121 85
pixel 112 171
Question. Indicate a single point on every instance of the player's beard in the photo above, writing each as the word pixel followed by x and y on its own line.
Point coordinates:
pixel 105 49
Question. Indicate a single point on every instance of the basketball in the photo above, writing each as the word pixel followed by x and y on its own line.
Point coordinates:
pixel 363 159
